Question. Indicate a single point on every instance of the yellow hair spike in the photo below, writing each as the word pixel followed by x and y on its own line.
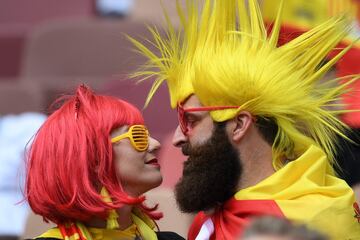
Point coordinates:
pixel 222 53
pixel 276 28
pixel 329 64
pixel 257 22
pixel 243 17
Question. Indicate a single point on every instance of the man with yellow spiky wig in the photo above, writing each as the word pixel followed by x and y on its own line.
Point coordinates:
pixel 257 133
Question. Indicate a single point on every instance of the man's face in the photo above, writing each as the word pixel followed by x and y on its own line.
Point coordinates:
pixel 213 168
pixel 200 125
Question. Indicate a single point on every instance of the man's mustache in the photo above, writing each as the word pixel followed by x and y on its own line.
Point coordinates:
pixel 186 149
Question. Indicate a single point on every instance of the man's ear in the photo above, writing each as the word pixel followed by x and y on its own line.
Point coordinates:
pixel 242 122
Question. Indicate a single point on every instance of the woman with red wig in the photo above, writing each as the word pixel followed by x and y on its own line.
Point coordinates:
pixel 88 168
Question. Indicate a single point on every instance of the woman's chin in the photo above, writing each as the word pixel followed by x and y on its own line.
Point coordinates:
pixel 155 183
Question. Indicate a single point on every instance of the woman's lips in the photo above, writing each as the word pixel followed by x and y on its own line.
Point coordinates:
pixel 153 162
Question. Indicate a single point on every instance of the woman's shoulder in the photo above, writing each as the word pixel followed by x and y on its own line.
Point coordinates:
pixel 169 236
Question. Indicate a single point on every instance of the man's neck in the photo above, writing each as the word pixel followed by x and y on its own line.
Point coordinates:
pixel 256 158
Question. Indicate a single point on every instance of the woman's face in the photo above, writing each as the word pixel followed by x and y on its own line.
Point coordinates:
pixel 137 171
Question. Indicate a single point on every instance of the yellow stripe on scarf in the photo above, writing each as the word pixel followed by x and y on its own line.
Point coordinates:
pixel 111 221
pixel 51 233
pixel 145 224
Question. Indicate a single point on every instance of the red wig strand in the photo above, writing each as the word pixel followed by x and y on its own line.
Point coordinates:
pixel 71 158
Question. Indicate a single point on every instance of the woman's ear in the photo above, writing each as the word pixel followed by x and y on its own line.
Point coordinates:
pixel 242 122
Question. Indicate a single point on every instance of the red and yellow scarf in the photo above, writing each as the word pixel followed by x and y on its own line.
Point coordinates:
pixel 142 226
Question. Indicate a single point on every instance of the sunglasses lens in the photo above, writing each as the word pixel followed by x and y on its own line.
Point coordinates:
pixel 141 137
pixel 181 118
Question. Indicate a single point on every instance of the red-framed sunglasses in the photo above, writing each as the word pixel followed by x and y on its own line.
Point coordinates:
pixel 184 125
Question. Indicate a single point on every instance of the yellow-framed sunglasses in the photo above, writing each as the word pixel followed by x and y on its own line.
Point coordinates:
pixel 138 135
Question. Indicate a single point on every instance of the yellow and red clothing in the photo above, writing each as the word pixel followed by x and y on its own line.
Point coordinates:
pixel 142 226
pixel 304 190
pixel 95 233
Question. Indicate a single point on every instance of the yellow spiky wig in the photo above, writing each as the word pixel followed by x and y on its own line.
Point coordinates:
pixel 223 54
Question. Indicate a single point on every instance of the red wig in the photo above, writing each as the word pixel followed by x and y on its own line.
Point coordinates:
pixel 71 158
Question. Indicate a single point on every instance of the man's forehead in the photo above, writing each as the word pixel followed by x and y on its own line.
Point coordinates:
pixel 192 102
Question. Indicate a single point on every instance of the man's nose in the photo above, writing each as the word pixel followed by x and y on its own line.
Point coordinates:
pixel 179 138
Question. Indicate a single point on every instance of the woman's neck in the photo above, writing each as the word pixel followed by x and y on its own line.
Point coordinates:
pixel 124 219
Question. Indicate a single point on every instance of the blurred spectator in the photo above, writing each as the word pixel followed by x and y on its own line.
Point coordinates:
pixel 273 228
pixel 114 8
pixel 15 132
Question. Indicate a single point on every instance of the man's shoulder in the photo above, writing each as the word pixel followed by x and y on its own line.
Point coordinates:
pixel 169 235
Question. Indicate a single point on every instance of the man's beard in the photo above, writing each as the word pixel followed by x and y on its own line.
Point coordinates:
pixel 210 174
